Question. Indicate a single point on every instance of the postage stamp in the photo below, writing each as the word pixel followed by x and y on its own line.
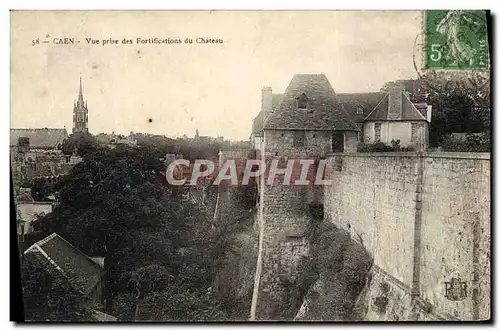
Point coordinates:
pixel 456 39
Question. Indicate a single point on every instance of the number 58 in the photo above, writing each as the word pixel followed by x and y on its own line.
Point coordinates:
pixel 435 52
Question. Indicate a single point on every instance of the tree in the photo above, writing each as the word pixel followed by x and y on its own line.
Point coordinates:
pixel 48 295
pixel 116 204
pixel 82 143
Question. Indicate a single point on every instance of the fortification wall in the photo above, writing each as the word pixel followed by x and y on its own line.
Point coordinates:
pixel 426 220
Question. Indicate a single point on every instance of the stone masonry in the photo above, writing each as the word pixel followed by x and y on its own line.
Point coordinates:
pixel 426 220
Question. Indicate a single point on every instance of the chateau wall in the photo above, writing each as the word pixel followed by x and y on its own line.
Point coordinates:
pixel 373 197
pixel 455 213
pixel 428 209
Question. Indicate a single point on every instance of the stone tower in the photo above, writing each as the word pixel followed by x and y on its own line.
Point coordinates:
pixel 80 113
pixel 303 126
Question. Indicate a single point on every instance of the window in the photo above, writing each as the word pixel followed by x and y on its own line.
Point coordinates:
pixel 79 117
pixel 299 138
pixel 302 101
pixel 360 132
pixel 377 131
pixel 414 132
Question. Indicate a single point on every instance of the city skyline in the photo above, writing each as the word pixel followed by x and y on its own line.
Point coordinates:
pixel 212 87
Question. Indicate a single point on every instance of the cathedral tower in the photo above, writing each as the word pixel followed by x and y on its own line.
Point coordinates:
pixel 80 113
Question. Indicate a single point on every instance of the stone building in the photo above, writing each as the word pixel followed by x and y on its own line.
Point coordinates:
pixel 308 119
pixel 26 142
pixel 27 212
pixel 307 122
pixel 379 116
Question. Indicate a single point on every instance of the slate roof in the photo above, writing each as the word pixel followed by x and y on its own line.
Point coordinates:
pixel 323 112
pixel 39 138
pixel 82 272
pixel 409 111
pixel 367 101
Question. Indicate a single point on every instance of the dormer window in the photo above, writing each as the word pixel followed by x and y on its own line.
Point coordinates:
pixel 302 101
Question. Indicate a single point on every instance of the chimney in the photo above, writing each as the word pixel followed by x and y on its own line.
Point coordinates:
pixel 429 113
pixel 395 108
pixel 267 99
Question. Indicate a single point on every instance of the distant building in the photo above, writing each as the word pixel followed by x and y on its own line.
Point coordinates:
pixel 27 212
pixel 80 113
pixel 24 141
pixel 38 153
pixel 81 271
pixel 112 140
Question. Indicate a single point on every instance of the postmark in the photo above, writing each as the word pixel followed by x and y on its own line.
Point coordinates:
pixel 456 39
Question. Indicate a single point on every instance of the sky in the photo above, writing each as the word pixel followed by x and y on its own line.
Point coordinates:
pixel 214 88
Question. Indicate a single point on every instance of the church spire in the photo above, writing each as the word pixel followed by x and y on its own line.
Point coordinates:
pixel 80 112
pixel 80 94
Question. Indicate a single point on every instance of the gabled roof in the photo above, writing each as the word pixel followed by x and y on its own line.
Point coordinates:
pixel 82 271
pixel 323 112
pixel 39 138
pixel 408 112
pixel 353 101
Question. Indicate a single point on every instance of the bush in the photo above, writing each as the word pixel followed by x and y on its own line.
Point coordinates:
pixel 473 142
pixel 381 147
pixel 342 266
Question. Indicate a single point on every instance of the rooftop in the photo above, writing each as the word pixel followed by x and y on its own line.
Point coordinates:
pixel 323 110
pixel 39 138
pixel 80 269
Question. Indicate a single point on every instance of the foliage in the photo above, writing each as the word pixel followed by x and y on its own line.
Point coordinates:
pixel 82 143
pixel 340 264
pixel 381 147
pixel 471 143
pixel 173 303
pixel 117 204
pixel 48 295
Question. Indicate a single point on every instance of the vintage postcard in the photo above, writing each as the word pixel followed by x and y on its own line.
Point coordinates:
pixel 251 165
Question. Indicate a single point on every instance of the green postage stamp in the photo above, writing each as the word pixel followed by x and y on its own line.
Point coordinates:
pixel 456 39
